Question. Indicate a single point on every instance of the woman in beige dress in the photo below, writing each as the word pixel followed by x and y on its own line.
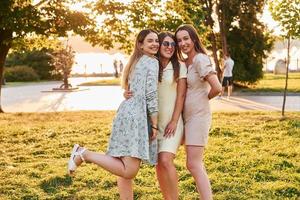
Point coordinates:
pixel 202 85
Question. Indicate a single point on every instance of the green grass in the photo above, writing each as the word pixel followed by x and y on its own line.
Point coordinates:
pixel 276 83
pixel 104 82
pixel 251 155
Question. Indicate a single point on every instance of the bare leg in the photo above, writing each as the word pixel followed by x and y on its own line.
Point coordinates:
pixel 167 176
pixel 126 167
pixel 196 167
pixel 125 188
pixel 229 90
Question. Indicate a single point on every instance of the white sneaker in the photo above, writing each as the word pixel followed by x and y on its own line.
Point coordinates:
pixel 71 164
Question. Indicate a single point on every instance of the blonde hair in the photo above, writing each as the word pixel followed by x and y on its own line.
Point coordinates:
pixel 136 55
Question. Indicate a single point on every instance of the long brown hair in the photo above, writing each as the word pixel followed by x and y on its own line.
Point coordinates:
pixel 194 37
pixel 135 56
pixel 173 59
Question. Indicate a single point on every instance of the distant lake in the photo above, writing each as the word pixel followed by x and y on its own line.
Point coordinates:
pixel 103 62
pixel 97 62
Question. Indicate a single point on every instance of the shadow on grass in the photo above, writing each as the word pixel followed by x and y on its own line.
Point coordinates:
pixel 53 184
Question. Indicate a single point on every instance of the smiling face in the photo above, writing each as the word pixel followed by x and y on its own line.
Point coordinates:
pixel 185 43
pixel 167 47
pixel 150 44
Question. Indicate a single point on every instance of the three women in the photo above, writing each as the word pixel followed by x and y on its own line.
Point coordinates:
pixel 129 144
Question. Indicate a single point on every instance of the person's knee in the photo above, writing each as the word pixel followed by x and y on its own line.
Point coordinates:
pixel 165 162
pixel 194 166
pixel 130 174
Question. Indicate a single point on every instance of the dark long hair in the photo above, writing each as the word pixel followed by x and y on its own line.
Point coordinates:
pixel 135 56
pixel 194 37
pixel 173 59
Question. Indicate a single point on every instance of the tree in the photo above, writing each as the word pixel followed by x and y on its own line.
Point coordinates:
pixel 122 20
pixel 208 7
pixel 63 61
pixel 287 13
pixel 240 32
pixel 20 18
pixel 33 51
pixel 244 36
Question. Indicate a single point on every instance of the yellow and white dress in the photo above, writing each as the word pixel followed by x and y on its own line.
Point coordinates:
pixel 167 93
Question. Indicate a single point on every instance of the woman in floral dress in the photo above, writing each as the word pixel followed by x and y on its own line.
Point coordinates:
pixel 129 142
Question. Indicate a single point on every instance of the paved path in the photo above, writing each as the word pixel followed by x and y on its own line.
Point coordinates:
pixel 32 98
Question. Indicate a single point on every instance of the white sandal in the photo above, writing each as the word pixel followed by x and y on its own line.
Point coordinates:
pixel 71 164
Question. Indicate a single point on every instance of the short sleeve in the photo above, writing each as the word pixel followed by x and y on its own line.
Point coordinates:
pixel 203 65
pixel 182 70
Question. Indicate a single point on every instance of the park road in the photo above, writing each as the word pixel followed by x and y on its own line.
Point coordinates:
pixel 39 97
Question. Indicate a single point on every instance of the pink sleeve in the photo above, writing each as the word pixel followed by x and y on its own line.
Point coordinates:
pixel 203 66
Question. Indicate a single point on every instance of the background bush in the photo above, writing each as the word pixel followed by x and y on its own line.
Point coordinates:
pixel 20 73
pixel 39 60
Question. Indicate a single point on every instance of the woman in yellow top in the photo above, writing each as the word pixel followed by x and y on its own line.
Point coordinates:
pixel 171 95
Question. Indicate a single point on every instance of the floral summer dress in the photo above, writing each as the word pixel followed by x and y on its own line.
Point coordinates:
pixel 129 135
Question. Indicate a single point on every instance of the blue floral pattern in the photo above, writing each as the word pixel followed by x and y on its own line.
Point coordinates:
pixel 129 135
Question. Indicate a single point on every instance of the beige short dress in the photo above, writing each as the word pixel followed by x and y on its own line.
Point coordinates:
pixel 167 93
pixel 197 113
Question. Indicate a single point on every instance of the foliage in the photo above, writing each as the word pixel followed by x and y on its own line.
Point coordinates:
pixel 39 60
pixel 256 158
pixel 248 40
pixel 63 60
pixel 123 20
pixel 33 42
pixel 20 73
pixel 287 13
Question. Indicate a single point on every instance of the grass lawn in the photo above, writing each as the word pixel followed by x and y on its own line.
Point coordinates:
pixel 251 155
pixel 276 83
pixel 104 82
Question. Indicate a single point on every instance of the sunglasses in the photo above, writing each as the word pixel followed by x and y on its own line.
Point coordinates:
pixel 167 44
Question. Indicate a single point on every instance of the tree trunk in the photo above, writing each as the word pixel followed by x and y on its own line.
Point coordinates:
pixel 286 75
pixel 221 19
pixel 66 82
pixel 5 44
pixel 212 36
pixel 215 55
